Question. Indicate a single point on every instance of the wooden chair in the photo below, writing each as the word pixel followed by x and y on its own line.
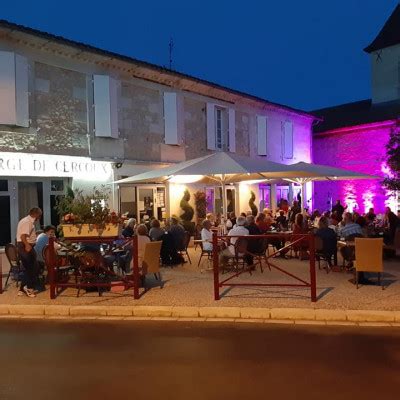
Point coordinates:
pixel 320 254
pixel 186 242
pixel 151 259
pixel 261 255
pixel 369 257
pixel 61 271
pixel 204 253
pixel 15 264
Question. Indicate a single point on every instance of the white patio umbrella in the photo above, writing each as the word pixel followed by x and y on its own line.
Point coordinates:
pixel 303 172
pixel 218 168
pixel 225 168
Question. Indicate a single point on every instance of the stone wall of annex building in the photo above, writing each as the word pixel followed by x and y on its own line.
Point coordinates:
pixel 361 151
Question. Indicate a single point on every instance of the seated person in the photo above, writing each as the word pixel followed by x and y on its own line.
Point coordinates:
pixel 129 230
pixel 143 239
pixel 281 221
pixel 262 223
pixel 349 231
pixel 173 242
pixel 177 231
pixel 329 239
pixel 206 236
pixel 156 232
pixel 43 240
pixel 254 245
pixel 238 230
pixel 303 244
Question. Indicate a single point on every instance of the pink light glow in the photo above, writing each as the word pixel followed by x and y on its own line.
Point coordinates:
pixel 361 150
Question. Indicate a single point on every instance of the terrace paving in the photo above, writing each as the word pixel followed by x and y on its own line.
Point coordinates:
pixel 189 286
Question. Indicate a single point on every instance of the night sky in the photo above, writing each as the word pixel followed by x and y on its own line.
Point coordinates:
pixel 303 53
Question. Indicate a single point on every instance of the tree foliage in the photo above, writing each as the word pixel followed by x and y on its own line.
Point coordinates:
pixel 392 181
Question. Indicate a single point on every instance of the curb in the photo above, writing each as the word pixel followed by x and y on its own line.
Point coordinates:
pixel 303 316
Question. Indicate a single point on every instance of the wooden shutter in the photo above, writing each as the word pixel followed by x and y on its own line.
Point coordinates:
pixel 171 130
pixel 105 94
pixel 261 135
pixel 210 126
pixel 288 139
pixel 14 96
pixel 232 130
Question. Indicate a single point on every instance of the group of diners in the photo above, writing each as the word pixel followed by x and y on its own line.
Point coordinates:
pixel 331 226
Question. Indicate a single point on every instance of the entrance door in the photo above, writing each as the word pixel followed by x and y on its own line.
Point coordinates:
pixel 151 201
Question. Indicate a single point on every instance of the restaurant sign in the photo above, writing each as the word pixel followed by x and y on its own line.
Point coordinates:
pixel 49 165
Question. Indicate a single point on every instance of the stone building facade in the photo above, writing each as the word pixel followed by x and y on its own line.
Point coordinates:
pixel 101 111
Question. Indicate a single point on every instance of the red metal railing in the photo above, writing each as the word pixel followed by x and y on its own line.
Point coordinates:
pixel 294 239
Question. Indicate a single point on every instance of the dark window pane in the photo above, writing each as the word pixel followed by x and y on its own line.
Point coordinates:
pixel 57 186
pixel 55 220
pixel 5 220
pixel 3 185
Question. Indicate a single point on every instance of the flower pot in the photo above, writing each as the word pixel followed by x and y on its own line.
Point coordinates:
pixel 90 231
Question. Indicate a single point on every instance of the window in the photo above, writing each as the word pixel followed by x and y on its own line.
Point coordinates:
pixel 287 139
pixel 221 132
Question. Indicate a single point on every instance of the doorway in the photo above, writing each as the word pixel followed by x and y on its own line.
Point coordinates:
pixel 30 194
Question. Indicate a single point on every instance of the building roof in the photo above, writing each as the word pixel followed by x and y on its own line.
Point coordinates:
pixel 356 113
pixel 157 68
pixel 389 34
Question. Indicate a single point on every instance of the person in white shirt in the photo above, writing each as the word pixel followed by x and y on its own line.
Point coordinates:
pixel 26 240
pixel 207 235
pixel 238 230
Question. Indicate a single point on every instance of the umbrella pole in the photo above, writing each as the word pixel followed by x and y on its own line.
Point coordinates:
pixel 224 205
pixel 303 195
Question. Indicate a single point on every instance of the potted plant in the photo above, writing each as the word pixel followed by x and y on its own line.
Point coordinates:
pixel 200 203
pixel 88 215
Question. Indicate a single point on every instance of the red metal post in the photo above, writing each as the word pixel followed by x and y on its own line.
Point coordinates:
pixel 135 267
pixel 215 265
pixel 51 268
pixel 313 279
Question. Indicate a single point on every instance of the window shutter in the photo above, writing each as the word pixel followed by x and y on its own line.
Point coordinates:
pixel 232 130
pixel 171 130
pixel 288 139
pixel 210 126
pixel 261 135
pixel 22 91
pixel 14 100
pixel 105 94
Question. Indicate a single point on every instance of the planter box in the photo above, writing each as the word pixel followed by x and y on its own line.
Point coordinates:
pixel 86 230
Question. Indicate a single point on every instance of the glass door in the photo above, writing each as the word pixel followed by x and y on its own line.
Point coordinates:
pixel 5 213
pixel 265 193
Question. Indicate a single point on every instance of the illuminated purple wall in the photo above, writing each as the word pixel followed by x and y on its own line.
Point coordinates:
pixel 360 149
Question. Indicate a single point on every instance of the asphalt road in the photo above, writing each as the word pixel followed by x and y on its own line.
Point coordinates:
pixel 182 360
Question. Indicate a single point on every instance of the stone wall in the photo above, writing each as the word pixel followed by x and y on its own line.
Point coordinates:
pixel 195 131
pixel 60 110
pixel 141 122
pixel 361 150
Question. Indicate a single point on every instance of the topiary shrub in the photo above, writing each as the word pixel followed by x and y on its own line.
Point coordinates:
pixel 253 207
pixel 188 213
